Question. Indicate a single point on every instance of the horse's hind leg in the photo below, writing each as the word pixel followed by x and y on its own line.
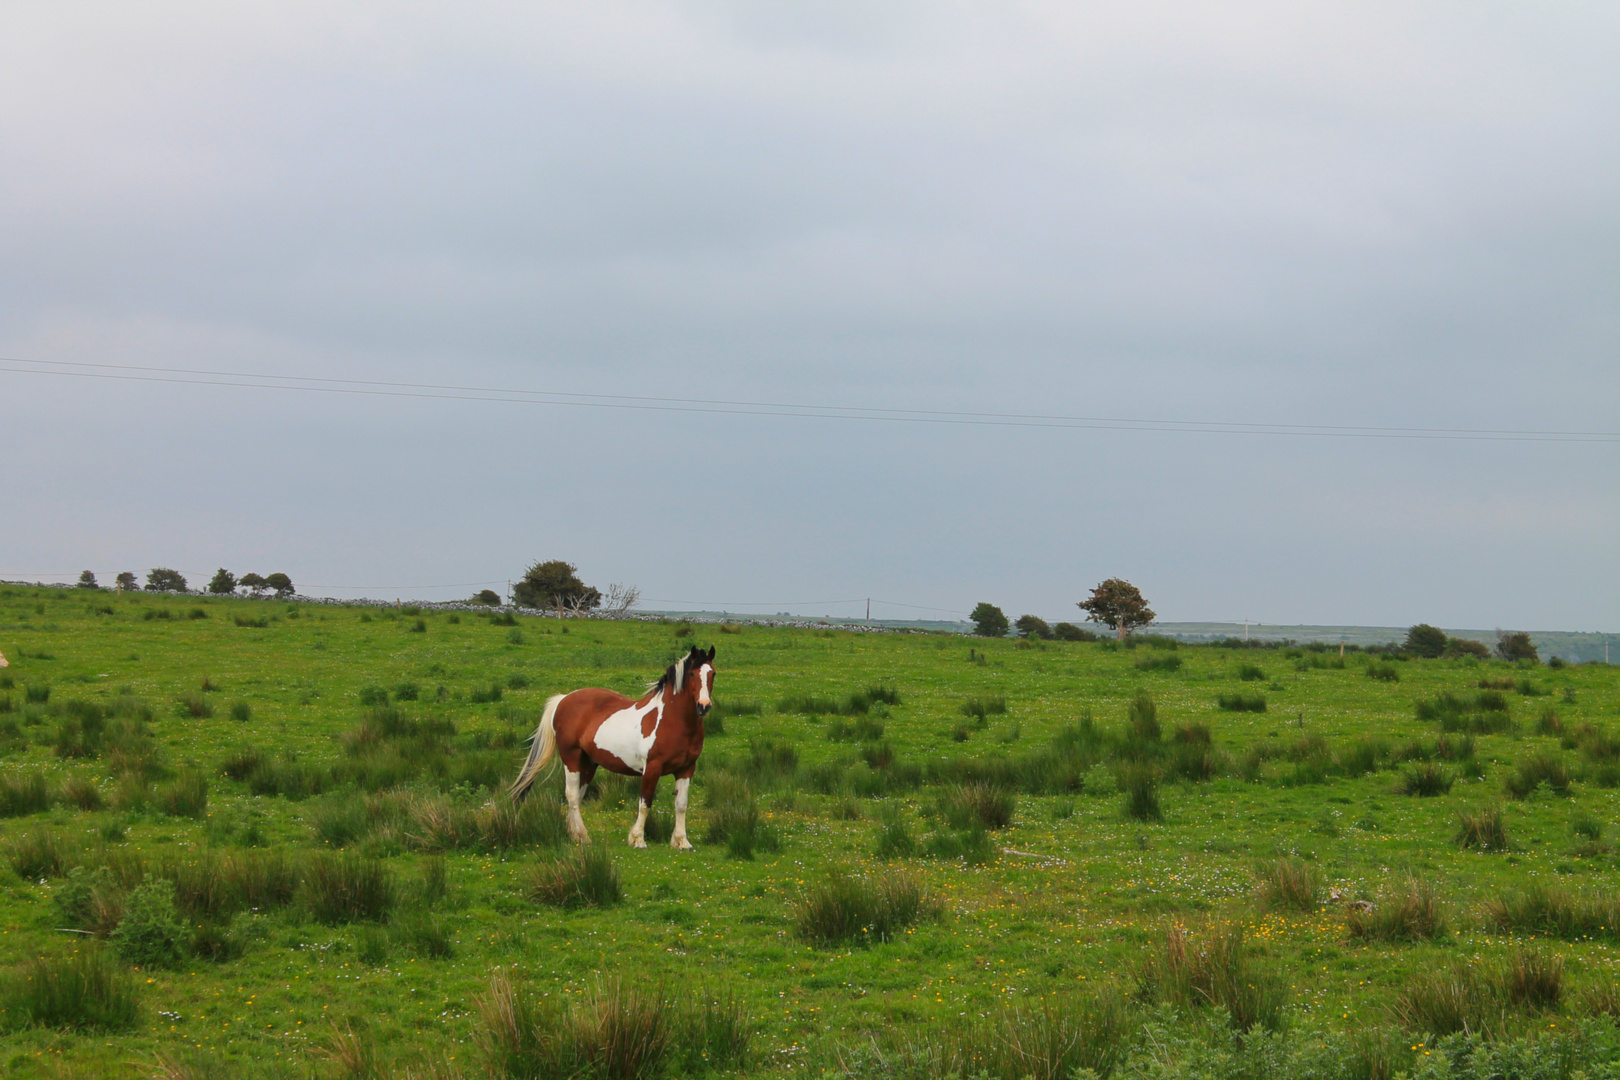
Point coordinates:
pixel 649 788
pixel 576 823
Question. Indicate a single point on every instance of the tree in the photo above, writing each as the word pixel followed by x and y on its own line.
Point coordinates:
pixel 87 580
pixel 1425 641
pixel 555 584
pixel 253 583
pixel 126 581
pixel 487 596
pixel 1029 626
pixel 281 583
pixel 1459 646
pixel 162 579
pixel 223 583
pixel 1118 605
pixel 1516 646
pixel 989 621
pixel 1067 631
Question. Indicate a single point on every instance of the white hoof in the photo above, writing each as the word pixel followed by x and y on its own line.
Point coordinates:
pixel 638 842
pixel 680 843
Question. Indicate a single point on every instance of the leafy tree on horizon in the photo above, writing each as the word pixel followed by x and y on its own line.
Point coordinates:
pixel 253 583
pixel 281 583
pixel 555 584
pixel 487 596
pixel 989 621
pixel 1118 605
pixel 162 579
pixel 87 580
pixel 1516 645
pixel 126 581
pixel 1425 641
pixel 223 583
pixel 1067 631
pixel 1032 626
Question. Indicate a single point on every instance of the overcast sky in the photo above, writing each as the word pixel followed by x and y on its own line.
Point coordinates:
pixel 1366 215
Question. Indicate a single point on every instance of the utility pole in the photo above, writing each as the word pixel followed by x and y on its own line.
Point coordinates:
pixel 1245 628
pixel 869 615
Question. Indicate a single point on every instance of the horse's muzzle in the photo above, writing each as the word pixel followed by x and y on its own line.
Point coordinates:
pixel 703 710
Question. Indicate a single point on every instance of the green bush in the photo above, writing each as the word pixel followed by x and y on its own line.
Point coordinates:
pixel 151 934
pixel 1242 702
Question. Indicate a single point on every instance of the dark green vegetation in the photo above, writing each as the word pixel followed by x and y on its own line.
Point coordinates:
pixel 260 841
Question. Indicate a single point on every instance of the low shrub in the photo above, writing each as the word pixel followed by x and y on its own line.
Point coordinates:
pixel 1251 673
pixel 845 908
pixel 1242 702
pixel 1166 662
pixel 1410 911
pixel 894 837
pixel 971 845
pixel 241 712
pixel 85 991
pixel 195 705
pixel 1288 883
pixel 587 877
pixel 1534 980
pixel 1143 716
pixel 1383 672
pixel 151 934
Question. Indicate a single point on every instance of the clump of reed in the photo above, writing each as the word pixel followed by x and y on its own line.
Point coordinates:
pixel 1288 883
pixel 614 1031
pixel 1212 968
pixel 585 877
pixel 84 991
pixel 845 907
pixel 1409 911
pixel 1557 912
pixel 1482 829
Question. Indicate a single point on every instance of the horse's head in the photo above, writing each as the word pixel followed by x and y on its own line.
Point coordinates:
pixel 701 664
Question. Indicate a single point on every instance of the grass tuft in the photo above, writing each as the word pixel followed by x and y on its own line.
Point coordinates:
pixel 82 992
pixel 1482 829
pixel 1288 883
pixel 586 877
pixel 345 887
pixel 844 907
pixel 1213 969
pixel 1411 911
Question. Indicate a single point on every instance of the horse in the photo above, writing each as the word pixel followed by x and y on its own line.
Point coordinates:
pixel 659 734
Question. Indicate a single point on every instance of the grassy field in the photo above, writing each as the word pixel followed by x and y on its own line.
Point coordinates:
pixel 251 838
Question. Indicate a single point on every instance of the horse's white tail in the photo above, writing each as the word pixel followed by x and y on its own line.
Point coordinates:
pixel 542 748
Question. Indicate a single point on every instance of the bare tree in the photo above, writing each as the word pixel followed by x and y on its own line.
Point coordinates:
pixel 620 599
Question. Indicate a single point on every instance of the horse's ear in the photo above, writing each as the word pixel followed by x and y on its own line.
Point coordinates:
pixel 711 654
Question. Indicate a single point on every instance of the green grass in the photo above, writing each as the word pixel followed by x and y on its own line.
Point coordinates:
pixel 347 881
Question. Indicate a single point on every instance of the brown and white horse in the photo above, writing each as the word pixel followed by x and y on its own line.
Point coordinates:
pixel 659 735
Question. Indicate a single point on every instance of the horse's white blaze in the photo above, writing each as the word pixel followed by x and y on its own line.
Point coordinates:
pixel 620 734
pixel 705 678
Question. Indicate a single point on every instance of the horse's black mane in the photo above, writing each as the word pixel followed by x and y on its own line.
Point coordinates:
pixel 693 658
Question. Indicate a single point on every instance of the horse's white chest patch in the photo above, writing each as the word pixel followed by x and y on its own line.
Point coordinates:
pixel 621 734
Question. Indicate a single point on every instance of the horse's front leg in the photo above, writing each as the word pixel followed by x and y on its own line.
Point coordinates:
pixel 649 788
pixel 683 788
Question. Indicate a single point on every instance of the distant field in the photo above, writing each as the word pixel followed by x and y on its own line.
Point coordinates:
pixel 315 782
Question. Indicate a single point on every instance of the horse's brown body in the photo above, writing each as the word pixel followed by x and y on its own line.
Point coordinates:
pixel 660 734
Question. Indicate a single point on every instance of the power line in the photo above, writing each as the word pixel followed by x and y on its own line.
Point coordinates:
pixel 450 392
